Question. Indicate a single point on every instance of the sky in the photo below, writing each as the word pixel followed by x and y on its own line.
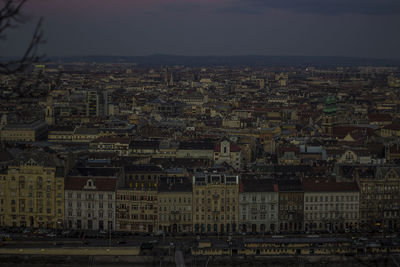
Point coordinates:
pixel 359 28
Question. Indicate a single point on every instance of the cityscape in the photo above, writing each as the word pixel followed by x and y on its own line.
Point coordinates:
pixel 168 160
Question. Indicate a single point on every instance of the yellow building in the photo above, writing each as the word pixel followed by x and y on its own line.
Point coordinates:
pixel 137 199
pixel 32 192
pixel 215 202
pixel 137 209
pixel 391 130
pixel 29 132
pixel 379 197
pixel 175 205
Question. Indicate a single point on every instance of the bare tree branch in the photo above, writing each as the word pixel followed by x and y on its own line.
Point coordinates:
pixel 11 17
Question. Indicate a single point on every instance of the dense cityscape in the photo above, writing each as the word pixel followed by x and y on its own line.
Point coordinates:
pixel 97 148
pixel 199 133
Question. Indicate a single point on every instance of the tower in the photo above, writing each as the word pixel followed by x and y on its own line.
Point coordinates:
pixel 329 116
pixel 171 80
pixel 49 115
pixel 3 121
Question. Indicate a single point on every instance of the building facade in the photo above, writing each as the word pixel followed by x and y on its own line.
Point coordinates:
pixel 330 205
pixel 175 205
pixel 291 206
pixel 258 205
pixel 379 197
pixel 215 202
pixel 137 200
pixel 90 203
pixel 227 152
pixel 32 192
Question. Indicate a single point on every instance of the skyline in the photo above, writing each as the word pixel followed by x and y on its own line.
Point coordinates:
pixel 209 28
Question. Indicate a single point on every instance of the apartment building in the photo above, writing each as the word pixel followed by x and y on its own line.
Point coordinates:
pixel 215 202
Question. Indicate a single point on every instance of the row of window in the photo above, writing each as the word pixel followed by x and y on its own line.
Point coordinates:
pixel 259 216
pixel 228 191
pixel 91 214
pixel 331 206
pixel 90 196
pixel 332 215
pixel 228 208
pixel 90 205
pixel 179 217
pixel 175 200
pixel 261 198
pixel 136 198
pixel 222 217
pixel 331 198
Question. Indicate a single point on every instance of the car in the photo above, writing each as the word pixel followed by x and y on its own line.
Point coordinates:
pixel 146 245
pixel 66 233
pixel 159 233
pixel 122 242
pixel 51 235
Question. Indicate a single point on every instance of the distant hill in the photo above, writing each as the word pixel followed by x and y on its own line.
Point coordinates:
pixel 251 60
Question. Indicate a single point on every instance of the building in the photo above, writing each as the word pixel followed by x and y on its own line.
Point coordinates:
pixel 97 103
pixel 391 130
pixel 258 205
pixel 329 116
pixel 330 205
pixel 215 202
pixel 137 199
pixel 90 202
pixel 227 152
pixel 175 205
pixel 32 192
pixel 379 197
pixel 291 205
pixel 29 132
pixel 119 145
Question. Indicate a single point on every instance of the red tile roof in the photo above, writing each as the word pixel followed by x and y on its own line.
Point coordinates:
pixel 379 117
pixel 394 127
pixel 102 184
pixel 233 148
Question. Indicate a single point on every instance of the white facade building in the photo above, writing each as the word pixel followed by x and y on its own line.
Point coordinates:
pixel 90 203
pixel 258 205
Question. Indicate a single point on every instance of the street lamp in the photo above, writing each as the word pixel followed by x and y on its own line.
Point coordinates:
pixel 59 222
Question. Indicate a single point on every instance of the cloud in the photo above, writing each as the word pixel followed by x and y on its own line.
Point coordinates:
pixel 239 10
pixel 330 7
pixel 181 7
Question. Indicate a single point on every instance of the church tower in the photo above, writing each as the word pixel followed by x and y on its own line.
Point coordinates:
pixel 49 115
pixel 329 116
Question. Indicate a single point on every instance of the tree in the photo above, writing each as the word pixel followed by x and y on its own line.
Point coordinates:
pixel 11 17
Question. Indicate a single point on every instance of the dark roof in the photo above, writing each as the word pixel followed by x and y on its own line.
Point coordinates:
pixel 61 128
pixel 180 185
pixel 111 139
pixel 5 156
pixel 142 168
pixel 101 184
pixel 96 171
pixel 395 127
pixel 39 157
pixel 197 145
pixel 290 185
pixel 257 185
pixel 145 144
pixel 379 117
pixel 329 186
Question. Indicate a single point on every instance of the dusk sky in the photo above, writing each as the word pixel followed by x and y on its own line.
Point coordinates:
pixel 362 28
